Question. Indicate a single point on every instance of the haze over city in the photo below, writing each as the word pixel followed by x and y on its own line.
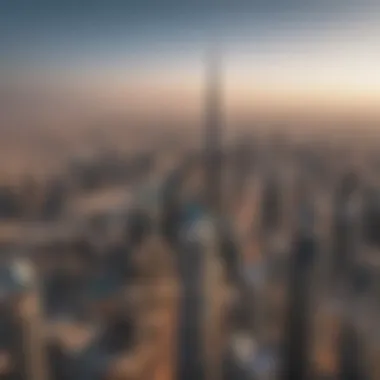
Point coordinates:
pixel 67 66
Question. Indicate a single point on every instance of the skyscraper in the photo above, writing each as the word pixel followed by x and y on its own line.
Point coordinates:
pixel 350 356
pixel 352 363
pixel 21 322
pixel 346 226
pixel 213 131
pixel 198 251
pixel 297 339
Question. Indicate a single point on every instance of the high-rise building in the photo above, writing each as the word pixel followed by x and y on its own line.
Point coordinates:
pixel 371 222
pixel 350 356
pixel 347 227
pixel 213 132
pixel 298 322
pixel 352 359
pixel 243 161
pixel 21 323
pixel 271 207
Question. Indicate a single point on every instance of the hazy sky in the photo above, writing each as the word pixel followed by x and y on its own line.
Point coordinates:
pixel 274 51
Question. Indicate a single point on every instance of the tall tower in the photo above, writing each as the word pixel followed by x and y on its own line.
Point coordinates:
pixel 350 355
pixel 213 312
pixel 213 130
pixel 298 321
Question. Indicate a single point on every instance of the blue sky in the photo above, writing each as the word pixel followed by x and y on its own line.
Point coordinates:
pixel 276 44
pixel 87 32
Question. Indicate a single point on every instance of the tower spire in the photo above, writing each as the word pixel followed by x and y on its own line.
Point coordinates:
pixel 213 130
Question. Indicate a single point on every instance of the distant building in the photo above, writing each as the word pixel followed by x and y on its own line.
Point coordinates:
pixel 271 204
pixel 54 201
pixel 352 365
pixel 10 204
pixel 21 334
pixel 296 352
pixel 346 226
pixel 201 311
pixel 371 222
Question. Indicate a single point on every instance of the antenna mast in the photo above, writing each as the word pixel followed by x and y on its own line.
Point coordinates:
pixel 213 130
